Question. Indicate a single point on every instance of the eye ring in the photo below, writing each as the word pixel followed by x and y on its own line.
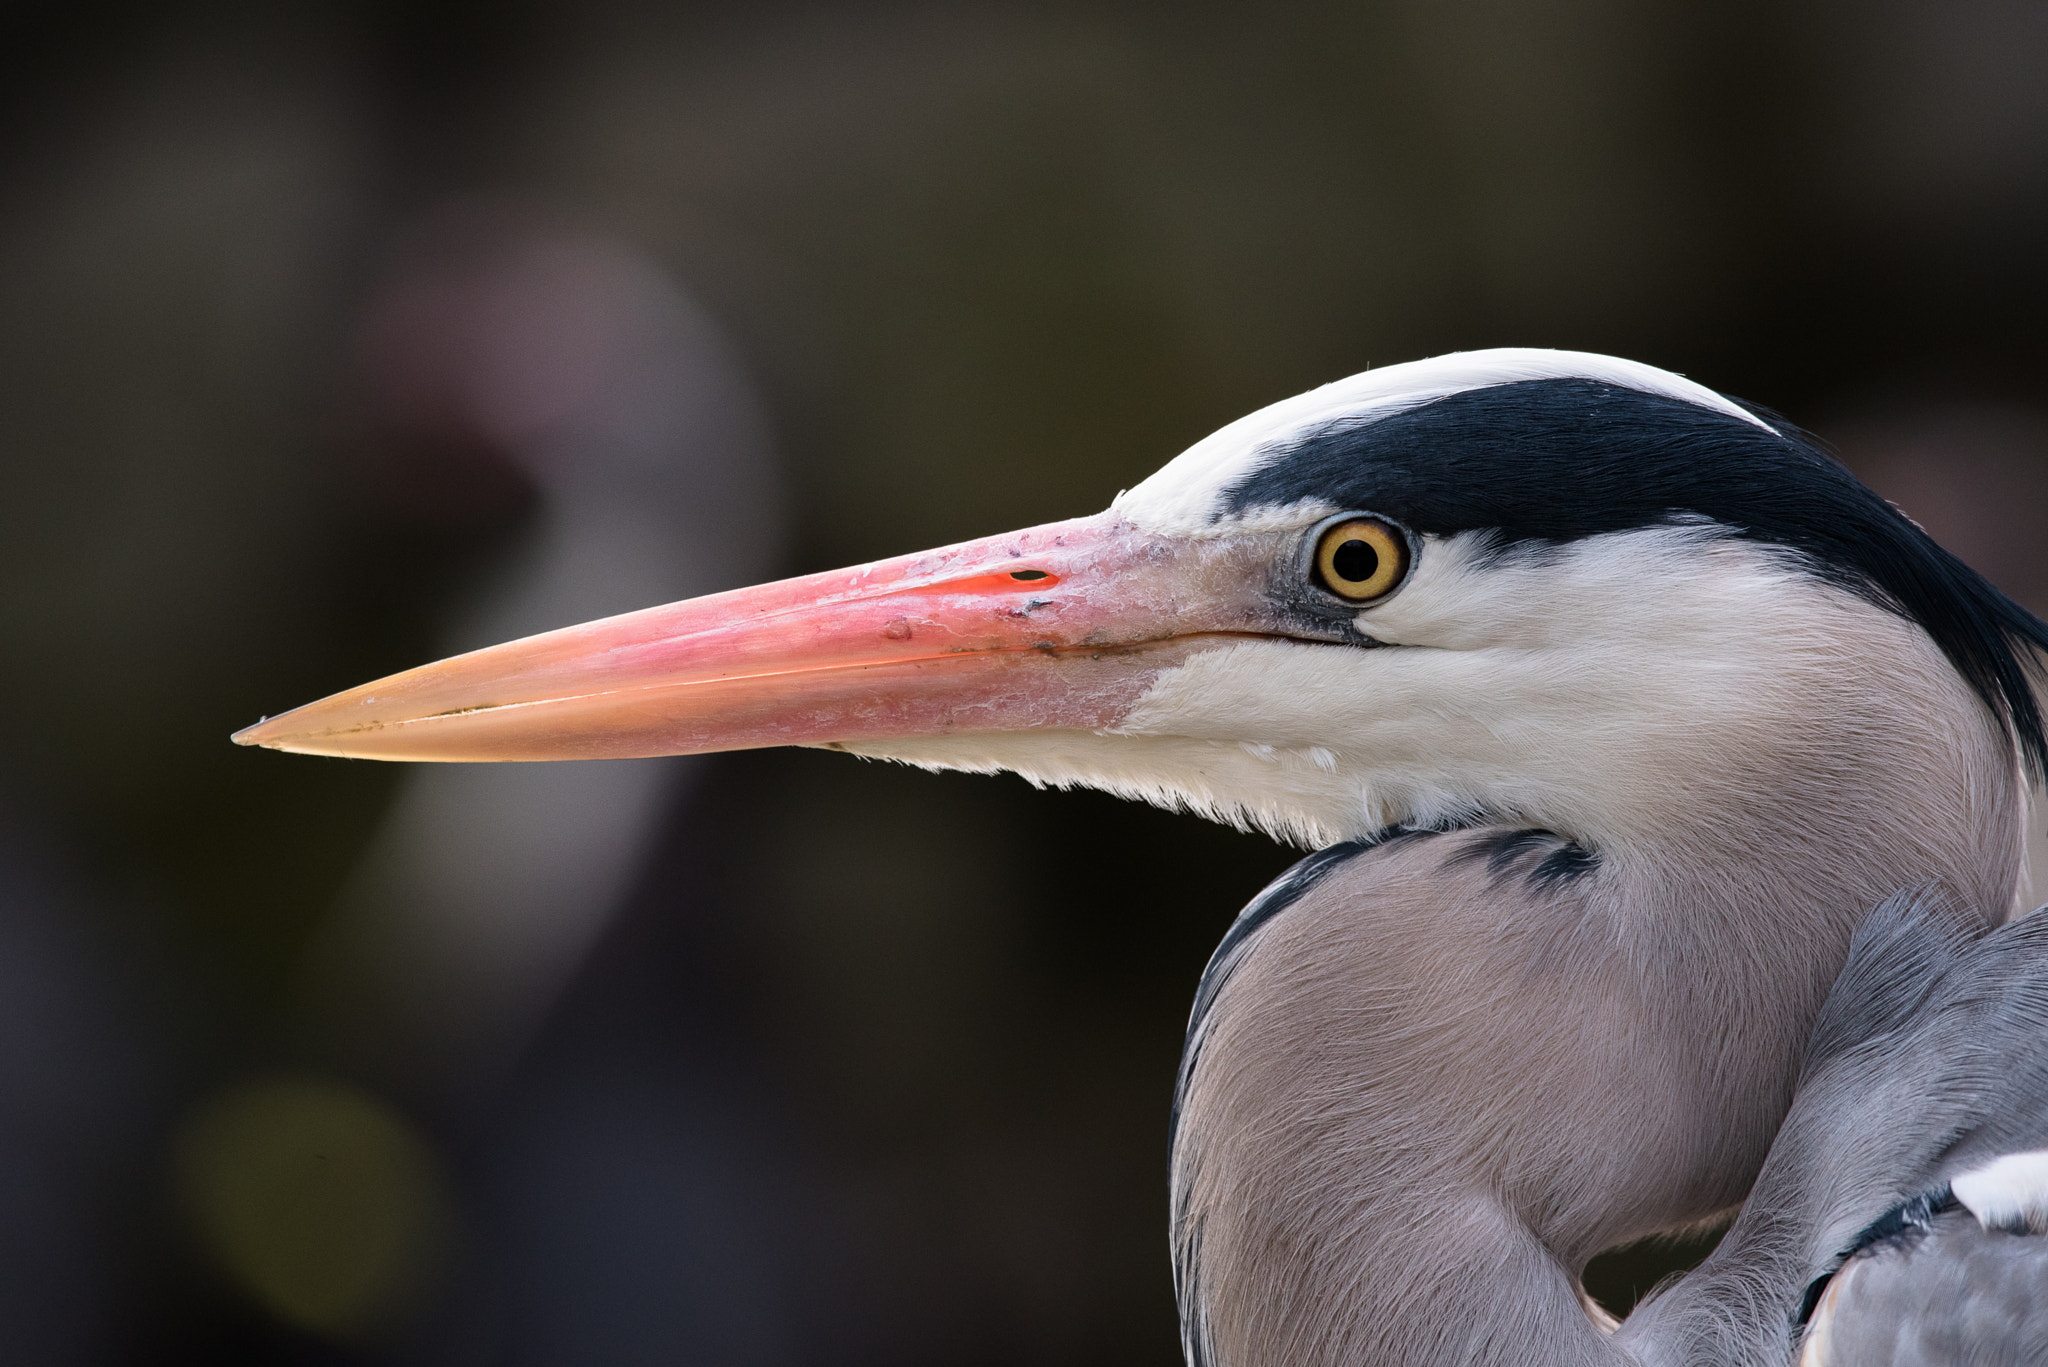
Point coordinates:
pixel 1361 558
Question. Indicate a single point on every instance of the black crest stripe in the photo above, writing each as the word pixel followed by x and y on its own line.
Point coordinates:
pixel 1558 460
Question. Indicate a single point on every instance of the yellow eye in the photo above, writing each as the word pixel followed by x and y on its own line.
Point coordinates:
pixel 1361 558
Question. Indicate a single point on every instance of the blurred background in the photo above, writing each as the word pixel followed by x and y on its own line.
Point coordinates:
pixel 339 336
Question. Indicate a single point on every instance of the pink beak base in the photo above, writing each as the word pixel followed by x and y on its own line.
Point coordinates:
pixel 1065 625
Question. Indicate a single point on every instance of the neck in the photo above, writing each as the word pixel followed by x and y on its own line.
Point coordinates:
pixel 1425 1093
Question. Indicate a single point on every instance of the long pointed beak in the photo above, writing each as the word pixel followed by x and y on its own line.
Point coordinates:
pixel 1064 626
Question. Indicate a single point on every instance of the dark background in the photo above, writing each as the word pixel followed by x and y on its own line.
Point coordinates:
pixel 335 337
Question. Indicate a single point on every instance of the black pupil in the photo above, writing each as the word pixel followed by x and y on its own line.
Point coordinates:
pixel 1027 574
pixel 1355 562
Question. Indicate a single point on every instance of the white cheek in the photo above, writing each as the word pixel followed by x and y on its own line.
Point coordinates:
pixel 1661 589
pixel 1448 603
pixel 1558 688
pixel 1267 695
pixel 1561 689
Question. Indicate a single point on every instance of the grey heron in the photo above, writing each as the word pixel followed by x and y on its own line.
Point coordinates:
pixel 1668 788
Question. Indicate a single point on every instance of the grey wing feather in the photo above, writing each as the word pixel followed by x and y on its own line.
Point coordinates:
pixel 1955 1295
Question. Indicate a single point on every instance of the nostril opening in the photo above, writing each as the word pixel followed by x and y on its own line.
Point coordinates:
pixel 1029 575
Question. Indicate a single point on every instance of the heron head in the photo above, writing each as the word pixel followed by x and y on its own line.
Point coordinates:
pixel 1546 587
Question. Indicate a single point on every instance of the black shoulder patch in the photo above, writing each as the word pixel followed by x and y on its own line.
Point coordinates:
pixel 1499 849
pixel 1540 462
pixel 1566 864
pixel 1562 862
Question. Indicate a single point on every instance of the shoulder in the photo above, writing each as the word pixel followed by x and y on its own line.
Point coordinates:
pixel 1413 895
pixel 1402 873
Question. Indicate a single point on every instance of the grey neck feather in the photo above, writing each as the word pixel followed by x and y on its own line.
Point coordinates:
pixel 1431 1089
